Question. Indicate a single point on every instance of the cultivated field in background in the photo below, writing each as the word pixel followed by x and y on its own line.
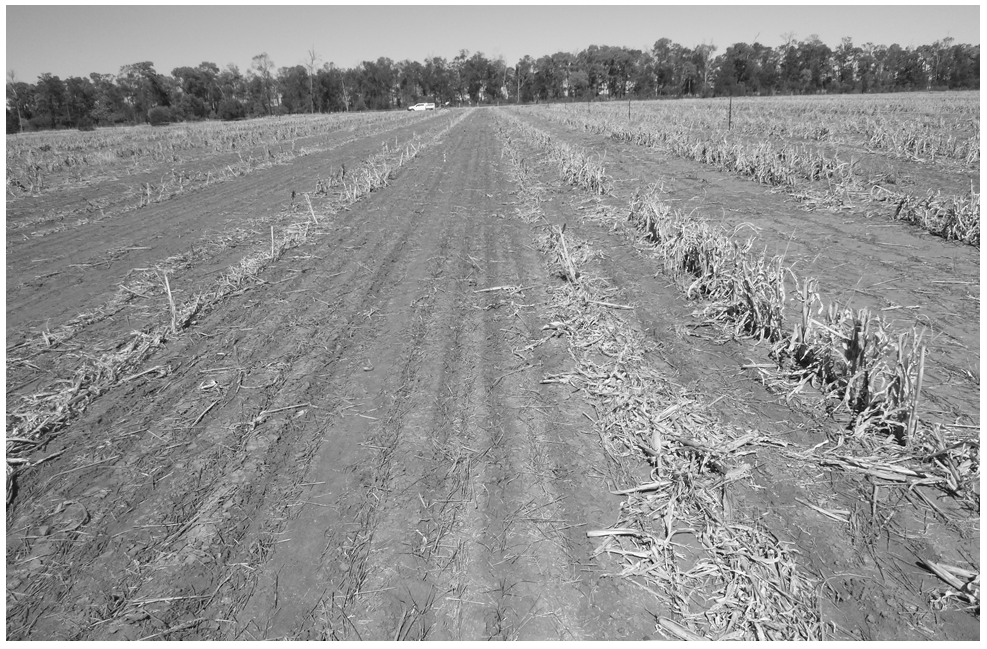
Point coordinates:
pixel 686 369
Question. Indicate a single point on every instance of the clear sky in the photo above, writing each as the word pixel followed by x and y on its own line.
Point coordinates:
pixel 76 40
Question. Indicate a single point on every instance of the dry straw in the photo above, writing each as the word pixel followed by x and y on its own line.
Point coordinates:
pixel 795 167
pixel 852 356
pixel 575 167
pixel 723 578
pixel 37 416
pixel 741 582
pixel 856 360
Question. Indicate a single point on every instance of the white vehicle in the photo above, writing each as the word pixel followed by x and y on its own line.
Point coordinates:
pixel 422 107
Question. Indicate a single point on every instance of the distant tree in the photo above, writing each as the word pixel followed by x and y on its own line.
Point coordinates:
pixel 737 71
pixel 256 97
pixel 496 82
pixel 210 79
pixel 435 79
pixel 866 68
pixel 142 88
pixel 410 84
pixel 377 84
pixel 642 78
pixel 329 88
pixel 293 88
pixel 579 83
pixel 963 63
pixel 13 98
pixel 544 78
pixel 665 66
pixel 816 60
pixel 231 84
pixel 845 59
pixel 458 75
pixel 263 66
pixel 80 100
pixel 562 65
pixel 110 104
pixel 907 69
pixel 159 116
pixel 231 109
pixel 524 73
pixel 310 65
pixel 475 74
pixel 193 90
pixel 13 123
pixel 49 101
pixel 767 68
pixel 703 59
pixel 352 95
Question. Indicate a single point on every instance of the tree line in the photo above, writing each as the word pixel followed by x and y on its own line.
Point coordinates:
pixel 139 94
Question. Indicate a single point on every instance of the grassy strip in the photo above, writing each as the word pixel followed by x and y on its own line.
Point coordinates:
pixel 37 417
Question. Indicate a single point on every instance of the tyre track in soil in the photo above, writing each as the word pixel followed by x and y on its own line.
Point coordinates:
pixel 861 260
pixel 182 516
pixel 161 230
pixel 408 536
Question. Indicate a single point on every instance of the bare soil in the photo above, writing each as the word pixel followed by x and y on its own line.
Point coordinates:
pixel 359 442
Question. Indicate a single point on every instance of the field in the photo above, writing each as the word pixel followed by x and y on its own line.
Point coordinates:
pixel 586 371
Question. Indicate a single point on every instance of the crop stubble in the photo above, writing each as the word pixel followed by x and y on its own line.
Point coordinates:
pixel 360 443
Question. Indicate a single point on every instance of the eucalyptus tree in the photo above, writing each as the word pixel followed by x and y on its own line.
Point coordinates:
pixel 293 89
pixel 310 64
pixel 143 88
pixel 263 65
